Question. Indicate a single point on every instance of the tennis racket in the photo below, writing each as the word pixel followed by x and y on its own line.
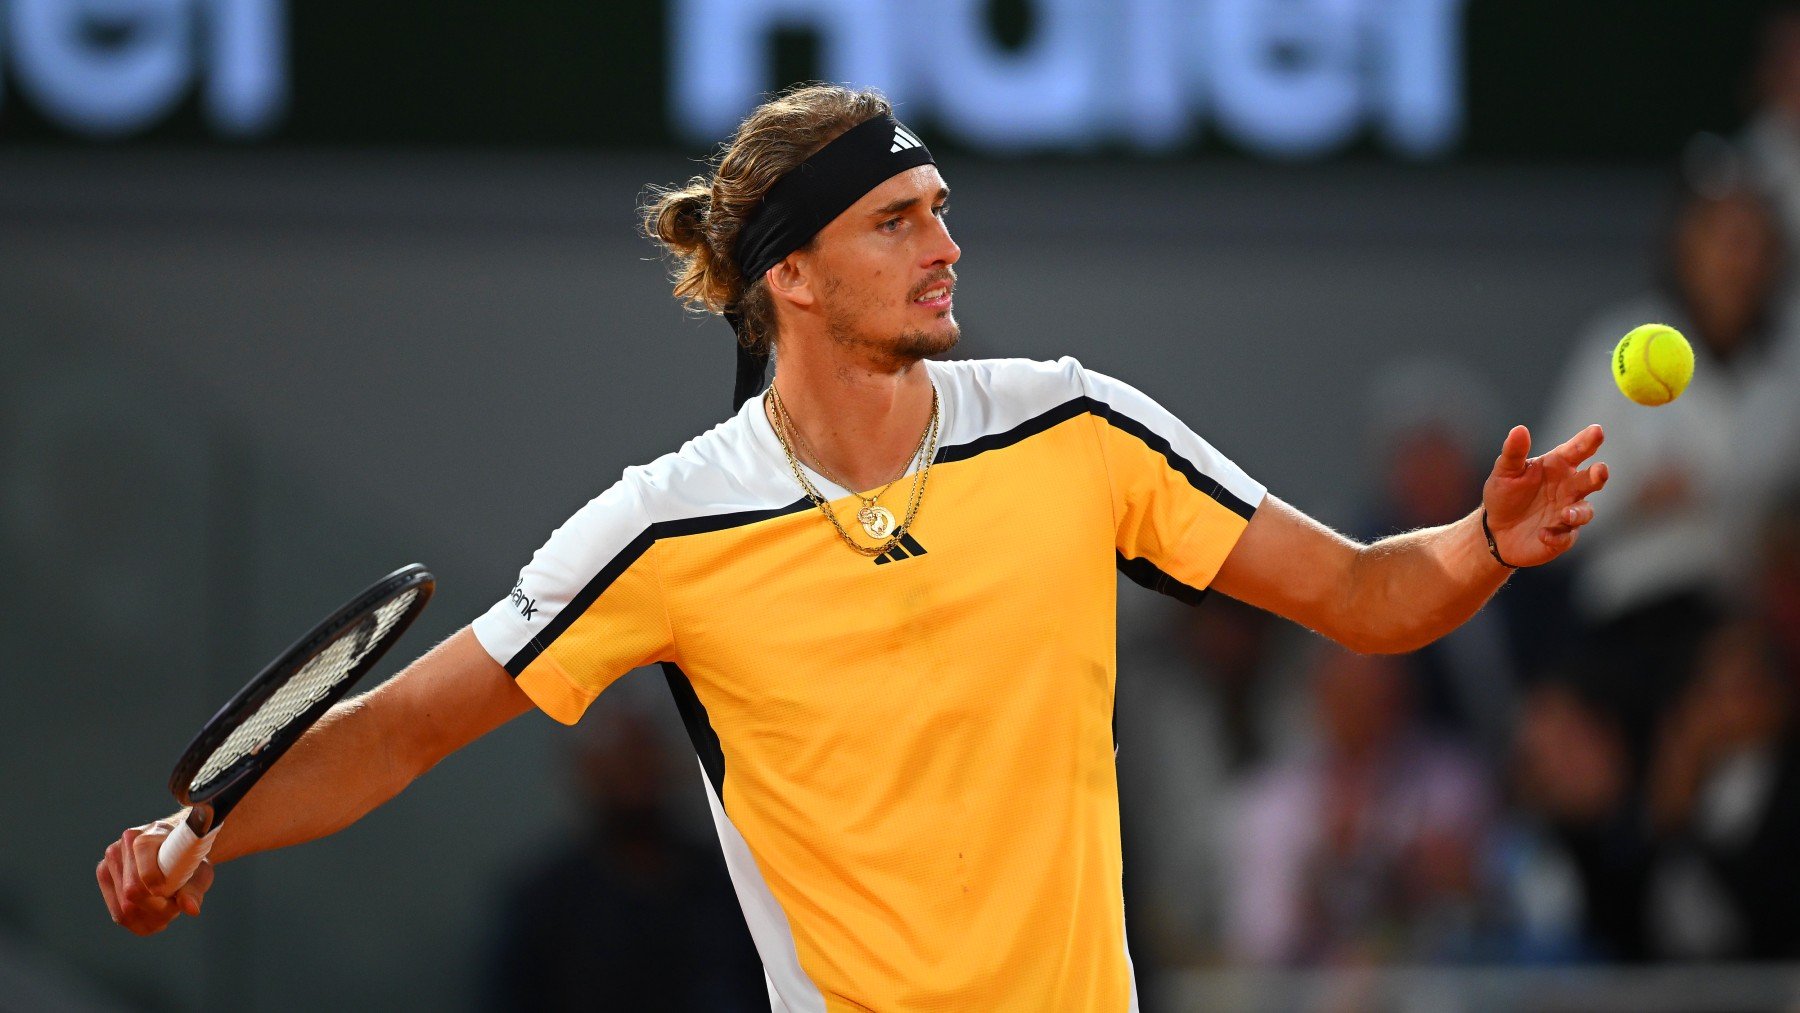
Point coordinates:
pixel 245 738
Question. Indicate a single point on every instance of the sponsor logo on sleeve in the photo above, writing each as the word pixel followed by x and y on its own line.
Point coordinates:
pixel 526 604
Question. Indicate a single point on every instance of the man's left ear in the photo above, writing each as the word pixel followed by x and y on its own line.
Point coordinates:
pixel 792 280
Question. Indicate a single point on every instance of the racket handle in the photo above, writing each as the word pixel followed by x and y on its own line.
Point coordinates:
pixel 182 851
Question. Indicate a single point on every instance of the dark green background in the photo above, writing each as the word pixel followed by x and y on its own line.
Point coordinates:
pixel 1611 79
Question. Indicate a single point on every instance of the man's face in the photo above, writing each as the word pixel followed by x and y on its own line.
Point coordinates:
pixel 1728 253
pixel 884 271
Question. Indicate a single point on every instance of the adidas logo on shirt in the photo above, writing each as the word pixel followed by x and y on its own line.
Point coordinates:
pixel 903 139
pixel 906 548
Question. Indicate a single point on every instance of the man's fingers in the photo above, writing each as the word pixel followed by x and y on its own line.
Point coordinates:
pixel 144 846
pixel 141 911
pixel 1592 479
pixel 108 889
pixel 131 889
pixel 1576 514
pixel 133 885
pixel 138 894
pixel 194 890
pixel 1581 446
pixel 1558 539
pixel 1515 453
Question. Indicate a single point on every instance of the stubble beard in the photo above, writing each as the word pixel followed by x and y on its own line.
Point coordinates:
pixel 891 351
pixel 899 350
pixel 916 344
pixel 895 351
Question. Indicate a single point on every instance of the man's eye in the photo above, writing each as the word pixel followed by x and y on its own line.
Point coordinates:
pixel 941 210
pixel 891 225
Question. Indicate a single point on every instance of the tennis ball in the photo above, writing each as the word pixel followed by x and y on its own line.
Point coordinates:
pixel 1653 364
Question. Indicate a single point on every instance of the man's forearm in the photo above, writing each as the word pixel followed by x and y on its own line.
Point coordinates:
pixel 1402 593
pixel 343 767
pixel 365 750
pixel 1410 589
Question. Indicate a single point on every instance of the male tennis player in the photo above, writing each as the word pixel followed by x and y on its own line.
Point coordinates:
pixel 883 595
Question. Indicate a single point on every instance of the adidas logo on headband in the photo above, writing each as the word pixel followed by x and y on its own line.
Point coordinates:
pixel 903 139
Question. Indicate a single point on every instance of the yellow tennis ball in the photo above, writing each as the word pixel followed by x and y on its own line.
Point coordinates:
pixel 1653 364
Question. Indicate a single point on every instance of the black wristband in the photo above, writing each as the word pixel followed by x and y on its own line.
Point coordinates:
pixel 1495 549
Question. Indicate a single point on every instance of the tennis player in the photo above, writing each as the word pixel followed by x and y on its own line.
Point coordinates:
pixel 883 596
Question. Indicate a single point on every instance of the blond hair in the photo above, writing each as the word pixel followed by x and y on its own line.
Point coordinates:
pixel 698 223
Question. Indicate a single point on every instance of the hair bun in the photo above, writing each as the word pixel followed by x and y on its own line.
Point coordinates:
pixel 680 218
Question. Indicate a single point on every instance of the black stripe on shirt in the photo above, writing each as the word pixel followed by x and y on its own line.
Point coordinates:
pixel 1077 407
pixel 1147 574
pixel 1073 408
pixel 699 727
pixel 616 567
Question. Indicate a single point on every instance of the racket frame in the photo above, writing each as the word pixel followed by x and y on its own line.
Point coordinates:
pixel 208 809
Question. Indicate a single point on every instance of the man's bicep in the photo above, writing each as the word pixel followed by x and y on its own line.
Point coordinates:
pixel 1289 564
pixel 447 699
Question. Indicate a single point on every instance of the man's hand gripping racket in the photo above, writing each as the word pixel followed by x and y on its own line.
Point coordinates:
pixel 243 740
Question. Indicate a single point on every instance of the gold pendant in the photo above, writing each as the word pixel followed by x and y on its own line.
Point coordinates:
pixel 878 521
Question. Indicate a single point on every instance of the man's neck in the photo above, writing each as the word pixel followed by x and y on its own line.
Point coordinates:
pixel 858 422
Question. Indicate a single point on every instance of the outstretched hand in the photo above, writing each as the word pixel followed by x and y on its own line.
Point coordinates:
pixel 1537 505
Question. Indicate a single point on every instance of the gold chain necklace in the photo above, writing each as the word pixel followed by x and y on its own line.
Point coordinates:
pixel 877 521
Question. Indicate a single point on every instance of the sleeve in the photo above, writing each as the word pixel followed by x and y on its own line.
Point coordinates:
pixel 1179 506
pixel 587 609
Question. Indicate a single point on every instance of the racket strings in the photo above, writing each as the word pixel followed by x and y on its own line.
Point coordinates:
pixel 330 666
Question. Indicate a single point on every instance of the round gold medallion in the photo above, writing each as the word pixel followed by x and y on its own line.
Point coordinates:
pixel 878 521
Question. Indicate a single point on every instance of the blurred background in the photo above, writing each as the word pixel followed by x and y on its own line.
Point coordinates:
pixel 291 294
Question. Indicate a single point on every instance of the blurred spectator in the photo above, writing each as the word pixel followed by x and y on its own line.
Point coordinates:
pixel 1432 426
pixel 1366 849
pixel 1668 542
pixel 1433 436
pixel 1575 852
pixel 1772 137
pixel 1777 583
pixel 1725 796
pixel 1227 647
pixel 633 913
pixel 1195 708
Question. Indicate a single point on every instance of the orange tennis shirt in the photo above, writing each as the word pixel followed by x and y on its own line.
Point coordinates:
pixel 909 759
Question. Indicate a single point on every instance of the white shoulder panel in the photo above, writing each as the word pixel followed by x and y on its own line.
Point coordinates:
pixel 725 472
pixel 1126 405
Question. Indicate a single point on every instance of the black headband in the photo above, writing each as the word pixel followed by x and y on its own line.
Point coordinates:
pixel 824 186
pixel 808 198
